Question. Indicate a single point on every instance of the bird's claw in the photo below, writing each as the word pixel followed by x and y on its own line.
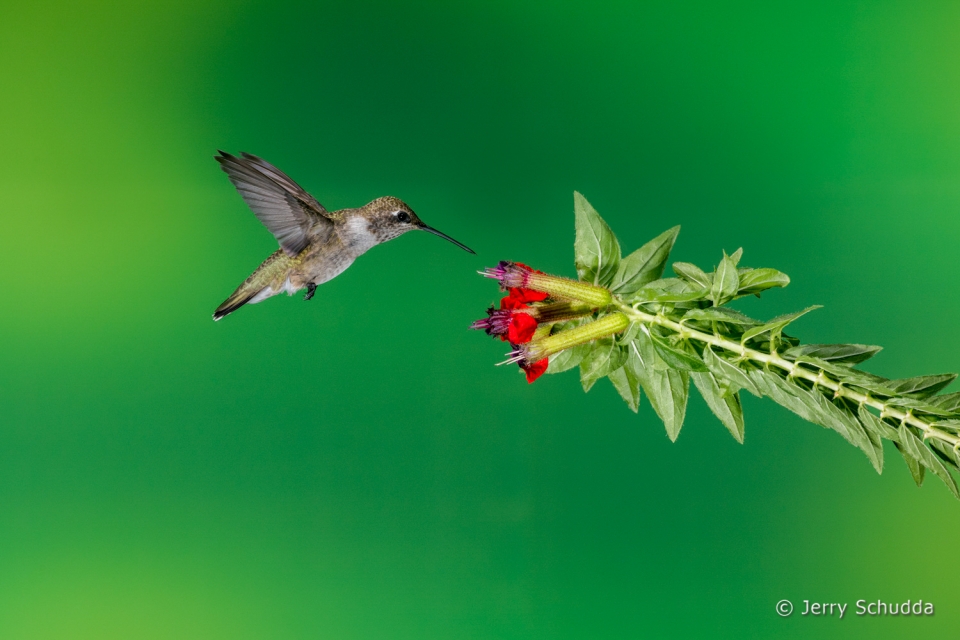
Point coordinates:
pixel 311 289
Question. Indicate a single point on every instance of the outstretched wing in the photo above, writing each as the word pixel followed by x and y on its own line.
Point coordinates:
pixel 278 202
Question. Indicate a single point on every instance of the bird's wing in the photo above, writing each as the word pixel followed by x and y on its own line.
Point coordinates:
pixel 278 202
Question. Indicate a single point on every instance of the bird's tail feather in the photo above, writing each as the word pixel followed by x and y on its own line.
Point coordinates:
pixel 239 298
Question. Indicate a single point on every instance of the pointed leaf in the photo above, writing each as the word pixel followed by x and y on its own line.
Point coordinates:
pixel 946 452
pixel 949 425
pixel 645 264
pixel 920 452
pixel 850 353
pixel 775 327
pixel 918 406
pixel 873 424
pixel 668 392
pixel 815 407
pixel 876 450
pixel 735 256
pixel 567 359
pixel 669 290
pixel 849 375
pixel 600 360
pixel 785 394
pixel 758 280
pixel 719 314
pixel 647 357
pixel 921 386
pixel 948 402
pixel 916 469
pixel 727 408
pixel 629 334
pixel 726 370
pixel 725 282
pixel 627 384
pixel 841 420
pixel 677 357
pixel 693 274
pixel 667 389
pixel 597 252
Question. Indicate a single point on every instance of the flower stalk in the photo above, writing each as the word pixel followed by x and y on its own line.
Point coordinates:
pixel 795 370
pixel 625 321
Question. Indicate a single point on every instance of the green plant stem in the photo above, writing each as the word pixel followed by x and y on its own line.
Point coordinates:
pixel 793 369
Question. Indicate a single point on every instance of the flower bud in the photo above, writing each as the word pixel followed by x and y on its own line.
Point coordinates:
pixel 513 275
pixel 588 332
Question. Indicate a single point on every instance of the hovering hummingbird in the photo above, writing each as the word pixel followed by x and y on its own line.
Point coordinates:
pixel 316 245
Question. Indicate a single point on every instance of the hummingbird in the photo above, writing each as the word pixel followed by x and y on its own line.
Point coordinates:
pixel 316 245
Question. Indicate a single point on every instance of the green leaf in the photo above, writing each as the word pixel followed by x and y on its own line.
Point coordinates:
pixel 645 264
pixel 851 353
pixel 603 357
pixel 735 256
pixel 677 357
pixel 727 408
pixel 758 280
pixel 725 282
pixel 775 327
pixel 668 390
pixel 873 424
pixel 919 451
pixel 719 314
pixel 647 357
pixel 921 386
pixel 945 452
pixel 629 334
pixel 627 384
pixel 949 425
pixel 948 402
pixel 916 469
pixel 849 376
pixel 693 274
pixel 597 252
pixel 669 290
pixel 813 406
pixel 726 370
pixel 918 406
pixel 841 420
pixel 567 359
pixel 875 452
pixel 786 395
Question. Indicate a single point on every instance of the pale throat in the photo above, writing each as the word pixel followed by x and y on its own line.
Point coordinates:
pixel 357 235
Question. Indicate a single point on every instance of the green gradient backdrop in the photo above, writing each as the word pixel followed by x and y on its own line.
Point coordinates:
pixel 355 467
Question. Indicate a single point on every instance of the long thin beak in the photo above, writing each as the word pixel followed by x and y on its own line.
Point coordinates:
pixel 446 237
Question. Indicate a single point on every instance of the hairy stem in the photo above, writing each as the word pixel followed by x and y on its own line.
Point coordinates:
pixel 794 370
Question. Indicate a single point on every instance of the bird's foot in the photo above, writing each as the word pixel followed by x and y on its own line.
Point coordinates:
pixel 311 289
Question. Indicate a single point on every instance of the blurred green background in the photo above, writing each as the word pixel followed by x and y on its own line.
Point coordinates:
pixel 355 467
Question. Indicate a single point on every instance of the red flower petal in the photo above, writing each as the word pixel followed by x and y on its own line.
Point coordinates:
pixel 535 370
pixel 522 326
pixel 528 295
pixel 512 302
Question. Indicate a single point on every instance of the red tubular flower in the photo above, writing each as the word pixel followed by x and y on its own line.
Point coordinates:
pixel 528 295
pixel 510 324
pixel 517 276
pixel 521 328
pixel 534 369
pixel 511 302
pixel 507 274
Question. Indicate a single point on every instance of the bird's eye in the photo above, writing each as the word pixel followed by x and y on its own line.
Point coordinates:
pixel 402 216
